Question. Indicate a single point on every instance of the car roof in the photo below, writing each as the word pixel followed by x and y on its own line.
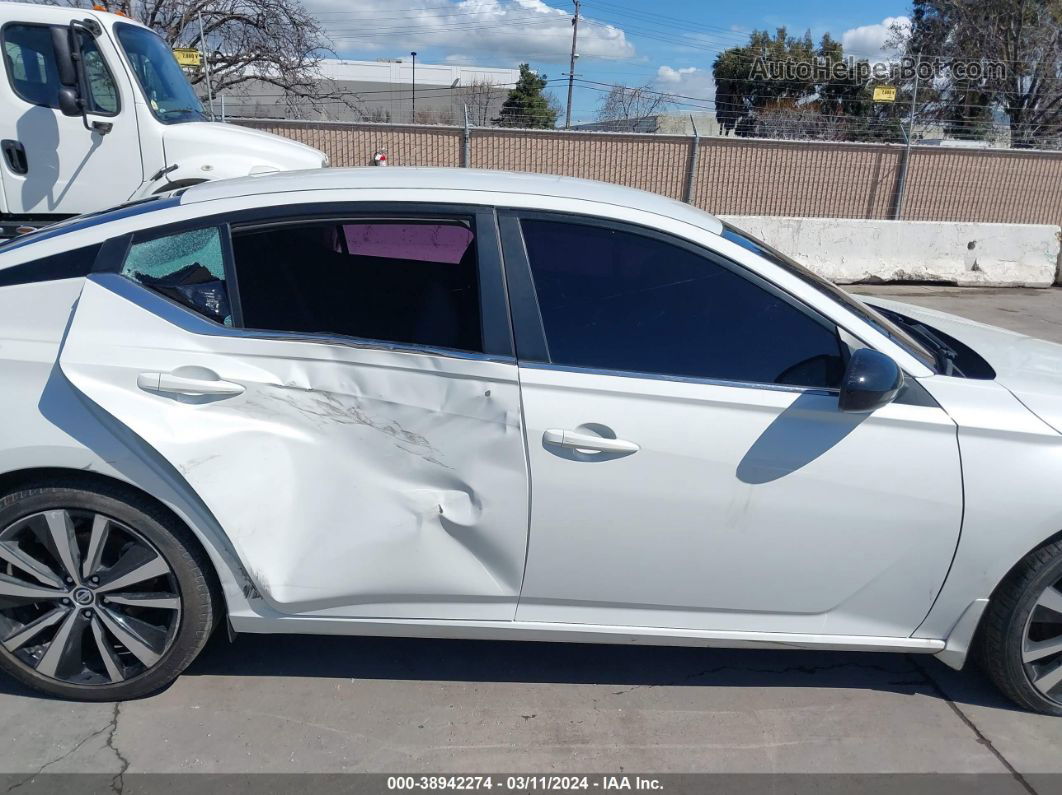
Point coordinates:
pixel 455 179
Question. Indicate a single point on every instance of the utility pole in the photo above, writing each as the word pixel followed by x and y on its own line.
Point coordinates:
pixel 901 189
pixel 206 64
pixel 413 120
pixel 571 65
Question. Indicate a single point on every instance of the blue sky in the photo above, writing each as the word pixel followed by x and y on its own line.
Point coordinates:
pixel 669 44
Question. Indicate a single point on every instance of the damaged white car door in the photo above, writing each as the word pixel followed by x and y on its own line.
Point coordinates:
pixel 341 393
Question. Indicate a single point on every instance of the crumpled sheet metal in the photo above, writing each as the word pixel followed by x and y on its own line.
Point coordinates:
pixel 382 486
pixel 350 479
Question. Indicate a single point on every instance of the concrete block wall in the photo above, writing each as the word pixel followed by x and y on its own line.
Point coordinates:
pixel 851 251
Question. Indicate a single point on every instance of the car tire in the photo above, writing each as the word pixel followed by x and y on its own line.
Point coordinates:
pixel 1016 621
pixel 133 528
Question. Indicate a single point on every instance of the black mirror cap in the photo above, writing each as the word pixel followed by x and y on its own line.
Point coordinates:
pixel 64 57
pixel 871 381
pixel 69 102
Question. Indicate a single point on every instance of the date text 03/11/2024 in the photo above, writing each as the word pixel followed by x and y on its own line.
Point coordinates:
pixel 523 783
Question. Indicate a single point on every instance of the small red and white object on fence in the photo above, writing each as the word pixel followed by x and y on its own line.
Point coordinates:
pixel 379 157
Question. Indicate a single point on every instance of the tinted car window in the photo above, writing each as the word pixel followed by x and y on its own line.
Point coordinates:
pixel 187 267
pixel 400 281
pixel 65 265
pixel 620 300
pixel 861 310
pixel 88 220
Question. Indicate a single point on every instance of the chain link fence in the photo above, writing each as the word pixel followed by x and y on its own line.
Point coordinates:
pixel 735 176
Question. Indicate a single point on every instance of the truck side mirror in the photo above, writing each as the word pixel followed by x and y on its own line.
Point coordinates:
pixel 70 63
pixel 64 57
pixel 69 102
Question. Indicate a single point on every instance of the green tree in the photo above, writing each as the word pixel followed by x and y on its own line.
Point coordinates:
pixel 741 89
pixel 760 92
pixel 527 104
pixel 1024 39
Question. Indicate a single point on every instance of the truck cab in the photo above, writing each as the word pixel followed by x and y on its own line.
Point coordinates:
pixel 95 112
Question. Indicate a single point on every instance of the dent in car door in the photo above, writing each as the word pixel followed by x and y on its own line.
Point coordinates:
pixel 353 479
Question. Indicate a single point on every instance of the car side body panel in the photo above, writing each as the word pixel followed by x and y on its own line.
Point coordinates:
pixel 47 424
pixel 745 508
pixel 349 478
pixel 1011 465
pixel 54 423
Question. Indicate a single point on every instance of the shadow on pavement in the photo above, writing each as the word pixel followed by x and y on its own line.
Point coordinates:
pixel 624 667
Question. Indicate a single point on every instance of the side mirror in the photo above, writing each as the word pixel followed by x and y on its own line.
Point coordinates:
pixel 871 381
pixel 64 57
pixel 69 101
pixel 70 64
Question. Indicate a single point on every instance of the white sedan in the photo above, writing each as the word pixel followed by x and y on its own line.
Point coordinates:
pixel 486 405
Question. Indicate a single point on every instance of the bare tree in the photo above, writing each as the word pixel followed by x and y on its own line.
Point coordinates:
pixel 249 43
pixel 798 123
pixel 434 116
pixel 481 96
pixel 378 115
pixel 624 104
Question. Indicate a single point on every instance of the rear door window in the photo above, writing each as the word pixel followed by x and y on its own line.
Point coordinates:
pixel 186 267
pixel 411 281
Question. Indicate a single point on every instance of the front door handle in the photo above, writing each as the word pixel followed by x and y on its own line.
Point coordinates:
pixel 15 154
pixel 168 383
pixel 575 440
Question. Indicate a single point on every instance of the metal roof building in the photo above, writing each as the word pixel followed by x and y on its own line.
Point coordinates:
pixel 383 91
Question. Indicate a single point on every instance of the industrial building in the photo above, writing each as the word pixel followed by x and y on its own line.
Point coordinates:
pixel 392 90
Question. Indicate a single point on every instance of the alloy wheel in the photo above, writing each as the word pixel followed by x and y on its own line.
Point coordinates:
pixel 1042 643
pixel 84 598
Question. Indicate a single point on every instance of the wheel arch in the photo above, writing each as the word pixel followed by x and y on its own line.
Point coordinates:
pixel 222 574
pixel 965 634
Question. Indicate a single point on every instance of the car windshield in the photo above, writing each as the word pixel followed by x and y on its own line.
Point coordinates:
pixel 168 93
pixel 856 307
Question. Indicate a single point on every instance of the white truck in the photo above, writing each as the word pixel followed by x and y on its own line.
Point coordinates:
pixel 95 111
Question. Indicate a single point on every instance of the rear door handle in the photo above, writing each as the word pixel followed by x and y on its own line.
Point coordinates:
pixel 168 383
pixel 588 441
pixel 15 154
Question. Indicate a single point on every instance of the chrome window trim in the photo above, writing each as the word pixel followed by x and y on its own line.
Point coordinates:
pixel 564 368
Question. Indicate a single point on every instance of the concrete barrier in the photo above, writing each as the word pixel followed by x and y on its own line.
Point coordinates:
pixel 851 251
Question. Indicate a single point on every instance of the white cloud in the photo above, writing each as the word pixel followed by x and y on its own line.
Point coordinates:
pixel 511 30
pixel 869 41
pixel 687 81
pixel 665 74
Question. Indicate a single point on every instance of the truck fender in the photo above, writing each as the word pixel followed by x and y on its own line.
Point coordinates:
pixel 192 171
